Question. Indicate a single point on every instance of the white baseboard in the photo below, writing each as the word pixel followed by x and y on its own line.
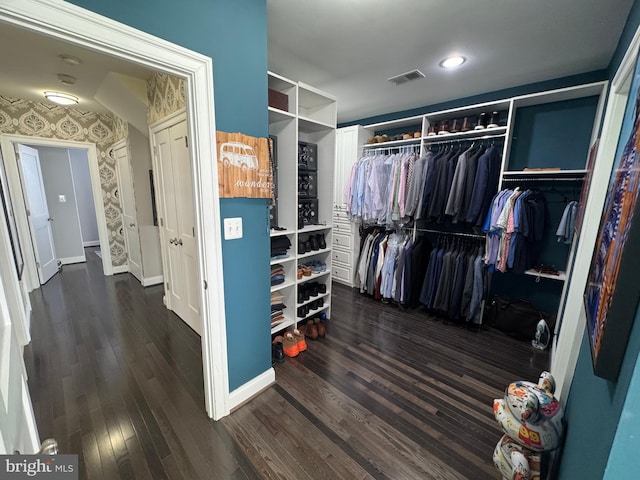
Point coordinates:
pixel 91 243
pixel 148 281
pixel 69 260
pixel 120 269
pixel 252 388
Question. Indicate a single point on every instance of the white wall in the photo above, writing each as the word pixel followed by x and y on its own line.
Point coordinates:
pixel 56 171
pixel 84 196
pixel 149 234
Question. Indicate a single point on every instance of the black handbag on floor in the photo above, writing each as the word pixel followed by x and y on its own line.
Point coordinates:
pixel 515 317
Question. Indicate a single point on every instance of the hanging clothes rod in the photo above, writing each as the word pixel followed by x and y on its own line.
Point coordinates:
pixel 464 139
pixel 455 234
pixel 542 179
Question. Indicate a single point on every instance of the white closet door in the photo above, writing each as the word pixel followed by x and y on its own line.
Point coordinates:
pixel 38 212
pixel 179 223
pixel 127 202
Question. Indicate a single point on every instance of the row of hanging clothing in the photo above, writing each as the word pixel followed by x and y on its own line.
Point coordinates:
pixel 515 227
pixel 452 182
pixel 448 278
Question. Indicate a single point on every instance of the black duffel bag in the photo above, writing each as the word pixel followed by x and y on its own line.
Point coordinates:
pixel 515 317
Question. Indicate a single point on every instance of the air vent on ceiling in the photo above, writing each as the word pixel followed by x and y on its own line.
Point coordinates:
pixel 406 77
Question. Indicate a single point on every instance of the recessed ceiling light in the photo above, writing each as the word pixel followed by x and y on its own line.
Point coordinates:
pixel 61 98
pixel 70 59
pixel 452 61
pixel 66 79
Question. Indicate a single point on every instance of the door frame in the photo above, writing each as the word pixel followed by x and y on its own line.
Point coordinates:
pixel 566 348
pixel 7 142
pixel 67 22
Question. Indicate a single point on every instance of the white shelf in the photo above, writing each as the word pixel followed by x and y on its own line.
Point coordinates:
pixel 561 277
pixel 393 143
pixel 283 325
pixel 280 233
pixel 471 134
pixel 312 253
pixel 313 276
pixel 309 125
pixel 400 123
pixel 283 285
pixel 544 173
pixel 313 228
pixel 276 261
pixel 277 115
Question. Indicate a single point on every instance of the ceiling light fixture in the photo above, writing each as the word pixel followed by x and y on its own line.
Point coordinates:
pixel 70 59
pixel 66 79
pixel 61 98
pixel 452 61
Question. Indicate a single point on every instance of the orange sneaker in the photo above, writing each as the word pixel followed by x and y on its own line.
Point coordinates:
pixel 290 345
pixel 299 336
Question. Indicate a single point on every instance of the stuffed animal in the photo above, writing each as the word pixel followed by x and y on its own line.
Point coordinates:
pixel 531 418
pixel 515 461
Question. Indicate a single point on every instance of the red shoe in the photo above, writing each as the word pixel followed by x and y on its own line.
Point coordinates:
pixel 300 341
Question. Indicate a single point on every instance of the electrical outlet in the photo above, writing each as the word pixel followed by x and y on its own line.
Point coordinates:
pixel 232 228
pixel 62 198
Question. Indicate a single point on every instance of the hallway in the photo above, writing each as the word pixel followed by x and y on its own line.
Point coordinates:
pixel 388 394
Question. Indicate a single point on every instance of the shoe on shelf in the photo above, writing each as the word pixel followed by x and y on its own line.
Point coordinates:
pixel 482 122
pixel 494 120
pixel 313 289
pixel 301 247
pixel 313 242
pixel 321 242
pixel 306 270
pixel 300 312
pixel 290 345
pixel 299 336
pixel 312 330
pixel 322 288
pixel 300 294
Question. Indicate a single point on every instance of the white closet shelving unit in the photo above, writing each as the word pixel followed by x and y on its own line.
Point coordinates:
pixel 311 117
pixel 347 156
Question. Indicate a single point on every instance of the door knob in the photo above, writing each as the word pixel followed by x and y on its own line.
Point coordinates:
pixel 171 240
pixel 49 447
pixel 179 242
pixel 132 224
pixel 50 219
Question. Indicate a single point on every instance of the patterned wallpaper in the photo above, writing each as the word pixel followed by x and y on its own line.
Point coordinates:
pixel 165 94
pixel 23 117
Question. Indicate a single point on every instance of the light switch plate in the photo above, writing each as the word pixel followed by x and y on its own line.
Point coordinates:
pixel 232 228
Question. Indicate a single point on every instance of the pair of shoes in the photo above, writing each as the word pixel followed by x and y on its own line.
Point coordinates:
pixel 304 271
pixel 290 345
pixel 316 327
pixel 316 304
pixel 303 311
pixel 316 266
pixel 277 352
pixel 310 289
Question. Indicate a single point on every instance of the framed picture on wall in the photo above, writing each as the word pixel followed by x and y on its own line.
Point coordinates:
pixel 613 288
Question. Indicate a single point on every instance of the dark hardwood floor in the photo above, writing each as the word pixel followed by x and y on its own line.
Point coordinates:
pixel 117 379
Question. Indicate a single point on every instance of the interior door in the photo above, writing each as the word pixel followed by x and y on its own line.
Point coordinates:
pixel 38 212
pixel 128 205
pixel 18 429
pixel 178 225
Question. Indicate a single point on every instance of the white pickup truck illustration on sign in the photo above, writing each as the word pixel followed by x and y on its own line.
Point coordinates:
pixel 239 155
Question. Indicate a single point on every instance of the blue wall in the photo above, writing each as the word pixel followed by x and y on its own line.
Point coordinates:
pixel 234 35
pixel 595 405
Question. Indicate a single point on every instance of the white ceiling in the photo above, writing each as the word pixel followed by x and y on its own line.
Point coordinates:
pixel 29 65
pixel 349 48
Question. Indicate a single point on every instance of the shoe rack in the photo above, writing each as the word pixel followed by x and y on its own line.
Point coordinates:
pixel 303 121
